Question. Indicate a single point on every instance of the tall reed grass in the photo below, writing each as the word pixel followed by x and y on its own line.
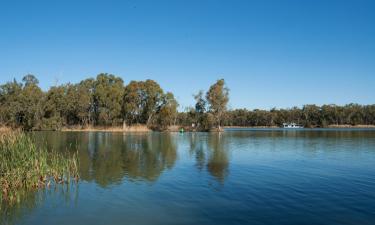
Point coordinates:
pixel 25 166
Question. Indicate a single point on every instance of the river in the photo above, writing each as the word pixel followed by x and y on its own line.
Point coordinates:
pixel 240 176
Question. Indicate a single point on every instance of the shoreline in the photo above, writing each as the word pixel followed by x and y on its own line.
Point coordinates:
pixel 346 126
pixel 135 128
pixel 173 129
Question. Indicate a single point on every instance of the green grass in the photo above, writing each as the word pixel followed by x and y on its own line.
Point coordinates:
pixel 25 166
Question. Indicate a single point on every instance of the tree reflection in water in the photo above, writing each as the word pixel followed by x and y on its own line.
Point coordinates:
pixel 211 152
pixel 109 158
pixel 112 158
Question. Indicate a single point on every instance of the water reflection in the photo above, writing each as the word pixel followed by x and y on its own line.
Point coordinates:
pixel 29 201
pixel 108 158
pixel 211 178
pixel 211 152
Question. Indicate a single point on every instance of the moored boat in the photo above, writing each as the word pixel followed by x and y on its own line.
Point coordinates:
pixel 291 126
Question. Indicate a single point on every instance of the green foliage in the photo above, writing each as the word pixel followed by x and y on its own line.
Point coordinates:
pixel 55 103
pixel 210 111
pixel 106 101
pixel 21 103
pixel 30 79
pixel 167 115
pixel 81 103
pixel 133 100
pixel 145 102
pixel 201 103
pixel 308 116
pixel 152 100
pixel 108 96
pixel 218 96
pixel 101 101
pixel 202 119
pixel 23 166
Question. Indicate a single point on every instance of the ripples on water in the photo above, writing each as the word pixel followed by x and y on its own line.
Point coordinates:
pixel 236 177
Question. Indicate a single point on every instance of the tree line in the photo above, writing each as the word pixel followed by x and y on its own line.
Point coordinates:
pixel 307 116
pixel 103 101
pixel 107 101
pixel 207 112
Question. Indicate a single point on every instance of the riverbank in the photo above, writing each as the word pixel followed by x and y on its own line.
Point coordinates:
pixel 134 128
pixel 251 127
pixel 344 126
pixel 351 126
pixel 175 128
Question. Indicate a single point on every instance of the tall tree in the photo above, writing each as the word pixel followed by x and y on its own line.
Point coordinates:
pixel 9 102
pixel 167 114
pixel 108 97
pixel 21 103
pixel 30 79
pixel 132 103
pixel 152 96
pixel 218 97
pixel 84 101
pixel 55 108
pixel 200 109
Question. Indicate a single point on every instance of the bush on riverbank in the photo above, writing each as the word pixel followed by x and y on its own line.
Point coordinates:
pixel 24 166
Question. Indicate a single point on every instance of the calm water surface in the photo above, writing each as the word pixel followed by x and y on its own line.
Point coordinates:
pixel 236 177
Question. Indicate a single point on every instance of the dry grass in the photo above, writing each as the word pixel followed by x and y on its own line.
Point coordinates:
pixel 5 129
pixel 174 128
pixel 251 127
pixel 133 128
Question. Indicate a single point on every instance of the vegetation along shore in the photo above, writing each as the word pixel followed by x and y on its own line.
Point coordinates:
pixel 105 103
pixel 24 166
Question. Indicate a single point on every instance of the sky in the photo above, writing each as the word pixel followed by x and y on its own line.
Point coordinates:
pixel 270 53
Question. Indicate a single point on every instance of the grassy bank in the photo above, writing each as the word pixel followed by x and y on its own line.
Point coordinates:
pixel 25 166
pixel 133 128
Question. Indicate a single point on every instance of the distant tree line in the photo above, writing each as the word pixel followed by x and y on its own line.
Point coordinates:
pixel 211 111
pixel 103 101
pixel 107 101
pixel 308 116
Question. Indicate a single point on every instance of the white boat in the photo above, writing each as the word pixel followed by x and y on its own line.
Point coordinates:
pixel 291 126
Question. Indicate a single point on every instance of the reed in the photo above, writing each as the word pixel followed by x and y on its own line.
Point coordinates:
pixel 25 166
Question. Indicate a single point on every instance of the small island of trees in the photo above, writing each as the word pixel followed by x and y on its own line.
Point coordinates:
pixel 106 101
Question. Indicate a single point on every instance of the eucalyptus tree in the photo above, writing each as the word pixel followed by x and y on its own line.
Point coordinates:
pixel 152 99
pixel 132 102
pixel 9 104
pixel 311 115
pixel 167 114
pixel 201 115
pixel 84 101
pixel 22 103
pixel 55 108
pixel 30 79
pixel 108 97
pixel 217 97
pixel 354 114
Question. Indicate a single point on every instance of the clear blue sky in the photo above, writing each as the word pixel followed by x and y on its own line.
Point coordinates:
pixel 271 53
